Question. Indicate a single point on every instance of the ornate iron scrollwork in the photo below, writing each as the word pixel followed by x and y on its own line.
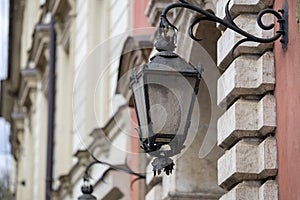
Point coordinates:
pixel 281 16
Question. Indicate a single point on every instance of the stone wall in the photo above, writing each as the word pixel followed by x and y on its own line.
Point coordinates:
pixel 246 130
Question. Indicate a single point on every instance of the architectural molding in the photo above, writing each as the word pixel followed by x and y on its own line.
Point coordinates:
pixel 61 10
pixel 154 10
pixel 114 193
pixel 68 181
pixel 136 51
pixel 39 46
pixel 153 183
pixel 83 157
pixel 17 132
pixel 30 77
pixel 10 87
pixel 65 185
pixel 103 137
pixel 192 196
pixel 99 143
pixel 18 120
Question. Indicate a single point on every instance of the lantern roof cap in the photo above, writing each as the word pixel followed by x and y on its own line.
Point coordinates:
pixel 170 61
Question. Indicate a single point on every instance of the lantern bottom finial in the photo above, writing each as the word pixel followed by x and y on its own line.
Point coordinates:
pixel 160 164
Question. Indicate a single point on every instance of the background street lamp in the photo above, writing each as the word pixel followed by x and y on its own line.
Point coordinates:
pixel 164 90
pixel 87 189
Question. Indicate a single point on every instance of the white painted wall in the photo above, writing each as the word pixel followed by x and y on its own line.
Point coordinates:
pixel 101 29
pixel 79 87
pixel 40 144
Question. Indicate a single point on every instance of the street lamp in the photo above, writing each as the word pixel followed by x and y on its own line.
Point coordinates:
pixel 164 90
pixel 164 93
pixel 87 189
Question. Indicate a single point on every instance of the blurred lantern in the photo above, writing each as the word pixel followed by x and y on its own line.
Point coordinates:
pixel 87 191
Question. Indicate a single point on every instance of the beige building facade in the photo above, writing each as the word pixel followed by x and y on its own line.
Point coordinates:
pixel 88 45
pixel 232 151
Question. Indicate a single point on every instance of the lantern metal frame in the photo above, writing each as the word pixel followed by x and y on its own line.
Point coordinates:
pixel 148 145
pixel 165 59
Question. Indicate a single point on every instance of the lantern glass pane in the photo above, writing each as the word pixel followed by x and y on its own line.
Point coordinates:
pixel 138 90
pixel 170 97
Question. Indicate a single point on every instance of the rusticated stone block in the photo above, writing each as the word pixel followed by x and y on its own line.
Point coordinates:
pixel 237 7
pixel 269 191
pixel 247 119
pixel 252 190
pixel 246 76
pixel 243 191
pixel 248 160
pixel 229 38
pixel 267 158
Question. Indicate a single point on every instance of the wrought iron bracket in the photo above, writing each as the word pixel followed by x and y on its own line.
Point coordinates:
pixel 88 189
pixel 281 16
pixel 123 168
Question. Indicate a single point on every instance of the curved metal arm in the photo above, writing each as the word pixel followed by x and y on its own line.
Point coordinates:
pixel 124 168
pixel 281 16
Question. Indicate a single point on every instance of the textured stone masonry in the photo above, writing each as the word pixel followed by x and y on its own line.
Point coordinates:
pixel 252 190
pixel 248 160
pixel 237 7
pixel 229 38
pixel 246 130
pixel 247 118
pixel 246 76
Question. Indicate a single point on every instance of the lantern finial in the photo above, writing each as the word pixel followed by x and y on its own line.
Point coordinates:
pixel 166 39
pixel 163 163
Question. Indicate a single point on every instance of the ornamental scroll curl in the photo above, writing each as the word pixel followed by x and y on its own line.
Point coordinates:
pixel 281 16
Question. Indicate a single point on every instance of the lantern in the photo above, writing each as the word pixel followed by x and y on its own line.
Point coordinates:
pixel 164 92
pixel 87 191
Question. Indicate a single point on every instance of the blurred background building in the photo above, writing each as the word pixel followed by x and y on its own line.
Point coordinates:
pixel 65 94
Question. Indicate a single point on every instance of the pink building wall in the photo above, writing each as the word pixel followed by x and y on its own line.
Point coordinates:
pixel 288 107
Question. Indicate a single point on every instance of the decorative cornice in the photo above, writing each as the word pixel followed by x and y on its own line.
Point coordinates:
pixel 64 189
pixel 18 120
pixel 191 195
pixel 10 86
pixel 61 10
pixel 65 184
pixel 136 51
pixel 154 10
pixel 154 181
pixel 83 156
pixel 17 131
pixel 100 143
pixel 75 174
pixel 40 43
pixel 29 79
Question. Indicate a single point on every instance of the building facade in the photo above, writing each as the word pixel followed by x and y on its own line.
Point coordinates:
pixel 68 101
